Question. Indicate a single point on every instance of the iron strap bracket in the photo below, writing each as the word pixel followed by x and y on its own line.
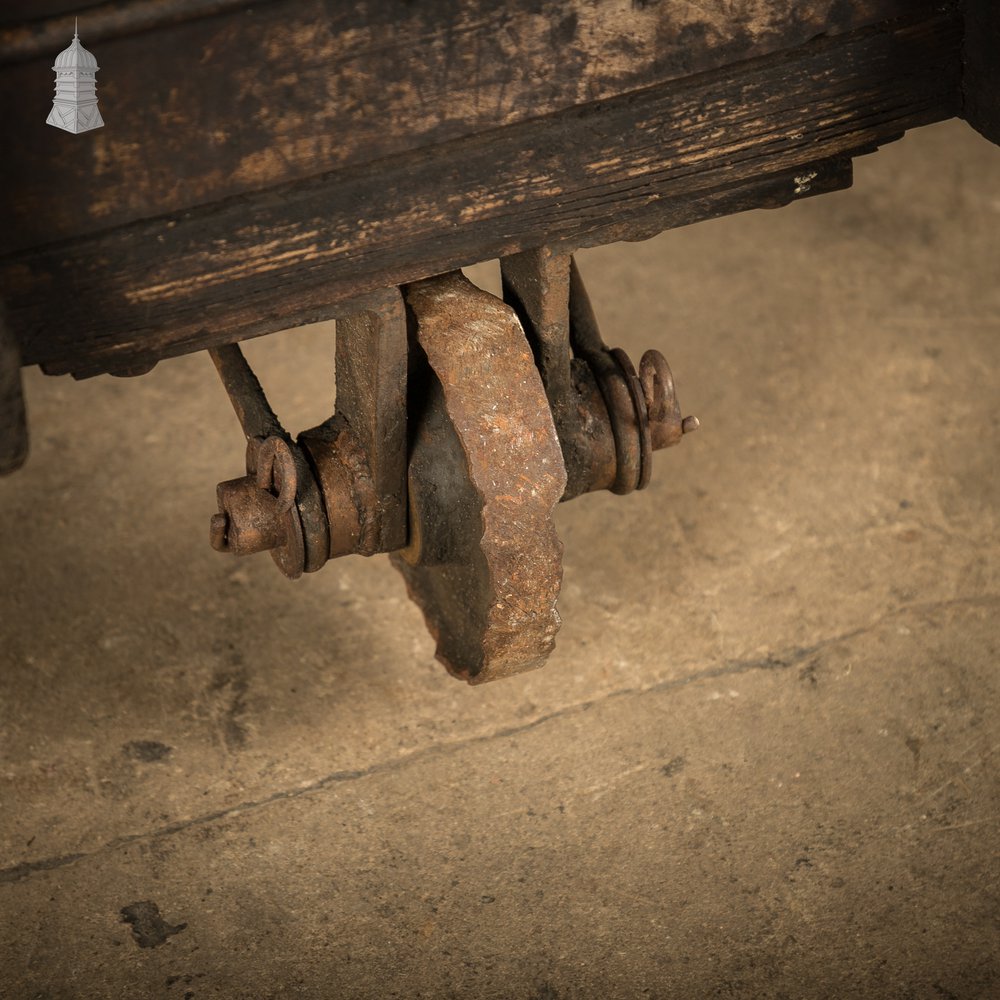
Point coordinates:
pixel 461 420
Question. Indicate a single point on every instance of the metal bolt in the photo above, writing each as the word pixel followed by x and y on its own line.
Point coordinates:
pixel 219 531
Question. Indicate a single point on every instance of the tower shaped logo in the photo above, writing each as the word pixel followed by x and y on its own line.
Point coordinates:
pixel 75 106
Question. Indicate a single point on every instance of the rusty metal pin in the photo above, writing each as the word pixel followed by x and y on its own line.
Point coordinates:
pixel 219 531
pixel 657 383
pixel 667 426
pixel 276 470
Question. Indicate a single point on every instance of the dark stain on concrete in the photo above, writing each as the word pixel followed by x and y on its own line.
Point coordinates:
pixel 26 868
pixel 232 686
pixel 149 928
pixel 672 767
pixel 187 978
pixel 808 673
pixel 942 992
pixel 148 751
pixel 545 992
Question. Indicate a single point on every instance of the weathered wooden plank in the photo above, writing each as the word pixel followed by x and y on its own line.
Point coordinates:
pixel 981 83
pixel 38 27
pixel 14 11
pixel 13 422
pixel 213 106
pixel 755 133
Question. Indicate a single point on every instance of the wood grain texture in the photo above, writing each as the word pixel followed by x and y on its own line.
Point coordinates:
pixel 981 83
pixel 763 132
pixel 13 421
pixel 13 12
pixel 30 28
pixel 209 107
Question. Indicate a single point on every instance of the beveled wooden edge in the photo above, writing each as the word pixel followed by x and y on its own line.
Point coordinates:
pixel 756 134
pixel 981 61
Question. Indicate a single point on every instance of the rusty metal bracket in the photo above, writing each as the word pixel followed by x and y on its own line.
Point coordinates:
pixel 359 454
pixel 604 447
pixel 277 505
pixel 339 488
pixel 536 284
pixel 461 420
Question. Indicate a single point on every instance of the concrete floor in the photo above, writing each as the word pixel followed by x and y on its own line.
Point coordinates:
pixel 762 761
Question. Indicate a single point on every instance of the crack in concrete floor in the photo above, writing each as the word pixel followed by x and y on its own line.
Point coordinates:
pixel 761 762
pixel 784 661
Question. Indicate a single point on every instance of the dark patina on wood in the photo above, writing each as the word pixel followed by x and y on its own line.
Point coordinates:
pixel 13 422
pixel 761 132
pixel 207 99
pixel 981 59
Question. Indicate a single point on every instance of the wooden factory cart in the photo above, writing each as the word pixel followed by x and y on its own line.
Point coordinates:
pixel 262 166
